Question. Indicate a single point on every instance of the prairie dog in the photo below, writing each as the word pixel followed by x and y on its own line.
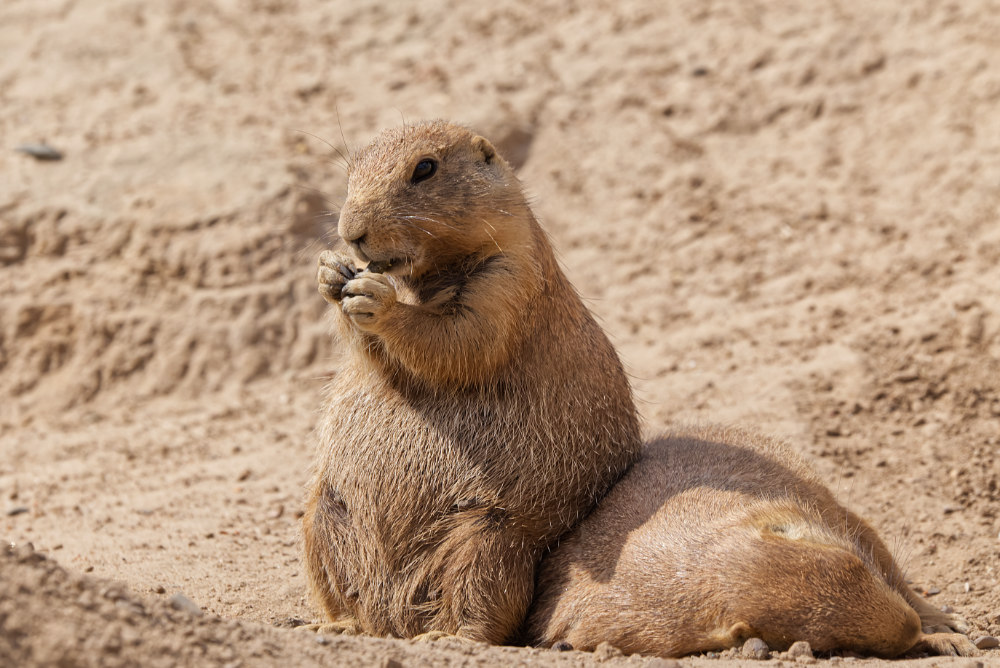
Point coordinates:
pixel 479 410
pixel 717 536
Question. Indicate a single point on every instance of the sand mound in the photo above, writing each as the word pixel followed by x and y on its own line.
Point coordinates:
pixel 123 307
pixel 50 617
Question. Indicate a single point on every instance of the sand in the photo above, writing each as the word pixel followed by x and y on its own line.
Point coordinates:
pixel 786 215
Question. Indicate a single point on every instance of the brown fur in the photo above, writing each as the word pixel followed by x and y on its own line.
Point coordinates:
pixel 719 536
pixel 479 411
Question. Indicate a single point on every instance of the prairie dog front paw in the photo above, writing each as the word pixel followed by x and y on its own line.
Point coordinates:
pixel 335 270
pixel 367 299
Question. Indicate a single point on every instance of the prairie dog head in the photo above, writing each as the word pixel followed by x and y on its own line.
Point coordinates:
pixel 424 197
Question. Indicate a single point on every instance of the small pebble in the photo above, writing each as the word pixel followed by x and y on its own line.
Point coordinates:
pixel 244 474
pixel 562 646
pixel 39 151
pixel 16 510
pixel 606 651
pixel 800 648
pixel 289 622
pixel 755 648
pixel 987 642
pixel 181 602
pixel 959 588
pixel 932 591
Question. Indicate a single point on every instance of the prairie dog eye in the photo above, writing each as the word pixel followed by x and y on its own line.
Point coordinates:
pixel 424 170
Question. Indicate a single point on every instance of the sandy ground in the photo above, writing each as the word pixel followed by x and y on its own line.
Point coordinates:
pixel 786 214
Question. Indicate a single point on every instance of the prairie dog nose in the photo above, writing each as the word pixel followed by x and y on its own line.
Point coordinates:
pixel 351 228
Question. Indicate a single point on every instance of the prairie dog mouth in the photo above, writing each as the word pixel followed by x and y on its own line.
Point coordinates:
pixel 382 266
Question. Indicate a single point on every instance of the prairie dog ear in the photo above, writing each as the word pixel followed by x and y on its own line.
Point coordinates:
pixel 483 145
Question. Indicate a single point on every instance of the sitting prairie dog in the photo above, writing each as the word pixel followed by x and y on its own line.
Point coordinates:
pixel 719 536
pixel 479 411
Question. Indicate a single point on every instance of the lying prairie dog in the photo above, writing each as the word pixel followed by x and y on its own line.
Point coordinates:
pixel 718 536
